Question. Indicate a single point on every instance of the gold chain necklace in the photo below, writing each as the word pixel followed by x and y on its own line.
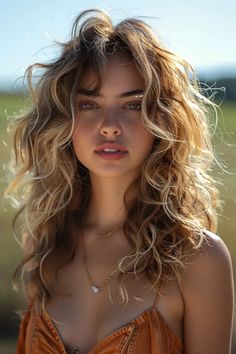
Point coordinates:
pixel 94 287
pixel 109 233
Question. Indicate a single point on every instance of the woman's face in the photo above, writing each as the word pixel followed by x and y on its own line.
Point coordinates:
pixel 109 137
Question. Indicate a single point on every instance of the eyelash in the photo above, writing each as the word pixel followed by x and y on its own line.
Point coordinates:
pixel 136 106
pixel 88 105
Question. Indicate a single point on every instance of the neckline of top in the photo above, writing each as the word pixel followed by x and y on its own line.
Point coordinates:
pixel 128 327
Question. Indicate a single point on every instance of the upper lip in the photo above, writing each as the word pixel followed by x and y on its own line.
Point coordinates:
pixel 111 146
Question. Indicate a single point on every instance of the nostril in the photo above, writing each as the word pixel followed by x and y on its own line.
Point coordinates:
pixel 110 131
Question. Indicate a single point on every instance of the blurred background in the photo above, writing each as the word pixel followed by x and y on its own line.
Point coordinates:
pixel 202 32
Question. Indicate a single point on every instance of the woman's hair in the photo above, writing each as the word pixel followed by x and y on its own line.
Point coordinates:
pixel 177 198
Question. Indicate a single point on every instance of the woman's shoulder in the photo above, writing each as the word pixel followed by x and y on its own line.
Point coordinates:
pixel 208 294
pixel 208 272
pixel 211 255
pixel 213 249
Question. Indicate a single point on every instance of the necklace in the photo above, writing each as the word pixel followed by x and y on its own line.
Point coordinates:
pixel 96 288
pixel 109 233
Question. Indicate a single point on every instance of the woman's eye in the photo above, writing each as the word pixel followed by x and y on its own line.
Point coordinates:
pixel 136 106
pixel 87 105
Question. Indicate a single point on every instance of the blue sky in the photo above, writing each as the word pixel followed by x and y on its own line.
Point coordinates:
pixel 203 32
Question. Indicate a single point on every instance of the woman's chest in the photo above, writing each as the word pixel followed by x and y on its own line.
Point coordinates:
pixel 83 318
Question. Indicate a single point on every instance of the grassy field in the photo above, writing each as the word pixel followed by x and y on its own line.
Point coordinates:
pixel 10 250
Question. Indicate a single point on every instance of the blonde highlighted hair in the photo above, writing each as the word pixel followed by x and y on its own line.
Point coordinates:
pixel 177 199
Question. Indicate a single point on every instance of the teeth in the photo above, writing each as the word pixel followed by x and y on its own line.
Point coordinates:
pixel 110 150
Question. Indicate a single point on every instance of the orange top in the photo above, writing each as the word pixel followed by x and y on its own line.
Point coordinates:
pixel 148 333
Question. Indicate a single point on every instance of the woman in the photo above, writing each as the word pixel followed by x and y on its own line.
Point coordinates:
pixel 120 254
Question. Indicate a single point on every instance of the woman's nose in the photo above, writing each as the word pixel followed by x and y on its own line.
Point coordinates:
pixel 110 125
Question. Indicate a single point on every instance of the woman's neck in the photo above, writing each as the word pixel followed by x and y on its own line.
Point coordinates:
pixel 106 207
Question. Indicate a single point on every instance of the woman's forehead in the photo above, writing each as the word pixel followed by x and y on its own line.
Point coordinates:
pixel 118 71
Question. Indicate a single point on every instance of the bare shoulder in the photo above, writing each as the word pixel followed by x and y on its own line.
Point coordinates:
pixel 212 253
pixel 211 263
pixel 208 293
pixel 216 247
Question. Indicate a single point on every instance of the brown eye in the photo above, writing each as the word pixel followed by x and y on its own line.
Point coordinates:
pixel 135 106
pixel 87 106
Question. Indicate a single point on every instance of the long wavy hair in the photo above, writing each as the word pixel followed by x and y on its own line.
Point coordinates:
pixel 177 199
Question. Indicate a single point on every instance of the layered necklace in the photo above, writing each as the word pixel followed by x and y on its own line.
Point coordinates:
pixel 94 286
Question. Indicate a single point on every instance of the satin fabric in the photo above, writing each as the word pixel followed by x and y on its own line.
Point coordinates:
pixel 148 333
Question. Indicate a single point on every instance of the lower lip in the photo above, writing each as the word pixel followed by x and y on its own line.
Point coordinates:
pixel 111 155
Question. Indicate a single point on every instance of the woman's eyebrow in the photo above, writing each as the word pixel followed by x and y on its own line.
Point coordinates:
pixel 132 93
pixel 88 92
pixel 95 93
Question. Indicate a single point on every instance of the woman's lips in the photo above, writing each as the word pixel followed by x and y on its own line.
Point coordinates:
pixel 111 146
pixel 111 151
pixel 111 155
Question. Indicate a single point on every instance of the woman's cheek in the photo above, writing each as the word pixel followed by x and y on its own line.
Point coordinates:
pixel 84 125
